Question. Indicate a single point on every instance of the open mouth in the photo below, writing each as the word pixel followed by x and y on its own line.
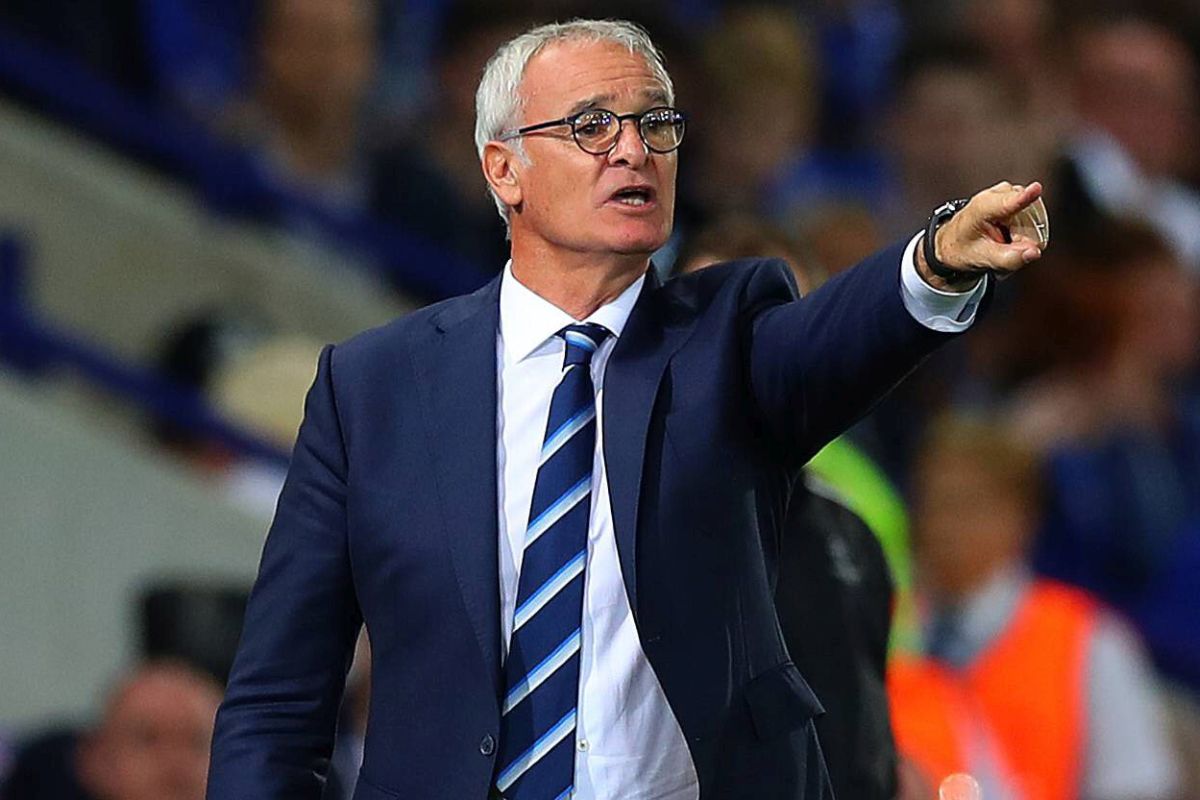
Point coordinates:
pixel 633 196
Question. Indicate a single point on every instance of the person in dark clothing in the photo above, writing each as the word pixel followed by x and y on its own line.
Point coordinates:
pixel 43 768
pixel 834 601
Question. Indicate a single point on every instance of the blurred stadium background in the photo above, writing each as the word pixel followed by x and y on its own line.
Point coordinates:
pixel 195 195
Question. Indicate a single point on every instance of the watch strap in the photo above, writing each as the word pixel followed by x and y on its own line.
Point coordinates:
pixel 940 216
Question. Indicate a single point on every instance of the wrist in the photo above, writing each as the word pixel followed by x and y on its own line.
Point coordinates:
pixel 930 267
pixel 961 282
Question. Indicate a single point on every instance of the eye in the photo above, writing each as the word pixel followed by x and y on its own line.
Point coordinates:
pixel 592 124
pixel 658 120
pixel 662 129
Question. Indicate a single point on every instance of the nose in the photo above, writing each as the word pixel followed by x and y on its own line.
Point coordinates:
pixel 629 149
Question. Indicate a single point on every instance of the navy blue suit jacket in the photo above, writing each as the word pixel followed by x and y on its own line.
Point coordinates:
pixel 720 387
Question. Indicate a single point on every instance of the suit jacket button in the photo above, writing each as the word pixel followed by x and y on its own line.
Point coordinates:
pixel 487 745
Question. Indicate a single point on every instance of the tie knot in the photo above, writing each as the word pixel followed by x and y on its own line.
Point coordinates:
pixel 582 341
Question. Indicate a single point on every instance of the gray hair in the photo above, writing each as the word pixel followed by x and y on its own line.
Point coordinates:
pixel 498 99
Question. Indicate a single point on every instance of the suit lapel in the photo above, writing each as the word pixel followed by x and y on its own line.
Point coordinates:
pixel 458 376
pixel 458 380
pixel 654 332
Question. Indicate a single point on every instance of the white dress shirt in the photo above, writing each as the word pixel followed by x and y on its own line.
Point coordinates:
pixel 628 741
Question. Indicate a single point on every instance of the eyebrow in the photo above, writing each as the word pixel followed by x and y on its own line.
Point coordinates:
pixel 656 97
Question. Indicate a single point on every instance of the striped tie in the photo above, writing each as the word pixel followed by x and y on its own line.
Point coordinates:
pixel 541 674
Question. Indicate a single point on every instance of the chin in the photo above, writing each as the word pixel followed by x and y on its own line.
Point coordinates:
pixel 639 241
pixel 636 248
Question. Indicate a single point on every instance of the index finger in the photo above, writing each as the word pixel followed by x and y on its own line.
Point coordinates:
pixel 1003 200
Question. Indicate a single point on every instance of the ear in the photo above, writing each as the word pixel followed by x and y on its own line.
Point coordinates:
pixel 501 168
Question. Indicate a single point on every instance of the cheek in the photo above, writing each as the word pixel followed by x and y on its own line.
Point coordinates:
pixel 563 192
pixel 666 185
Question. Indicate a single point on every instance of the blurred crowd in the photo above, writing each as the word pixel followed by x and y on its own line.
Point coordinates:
pixel 852 118
pixel 1051 459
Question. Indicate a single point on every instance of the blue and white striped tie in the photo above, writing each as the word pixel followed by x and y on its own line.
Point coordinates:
pixel 541 675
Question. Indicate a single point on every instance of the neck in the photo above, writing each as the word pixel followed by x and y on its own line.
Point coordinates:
pixel 959 588
pixel 578 283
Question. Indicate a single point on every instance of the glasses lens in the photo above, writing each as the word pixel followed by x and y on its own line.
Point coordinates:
pixel 662 129
pixel 595 130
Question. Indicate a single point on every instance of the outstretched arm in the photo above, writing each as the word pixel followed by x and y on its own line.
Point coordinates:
pixel 819 364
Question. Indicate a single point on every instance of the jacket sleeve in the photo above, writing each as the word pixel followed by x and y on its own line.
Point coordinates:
pixel 275 729
pixel 819 364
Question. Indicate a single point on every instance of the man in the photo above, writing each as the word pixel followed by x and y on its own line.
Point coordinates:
pixel 152 742
pixel 1029 684
pixel 1133 85
pixel 555 502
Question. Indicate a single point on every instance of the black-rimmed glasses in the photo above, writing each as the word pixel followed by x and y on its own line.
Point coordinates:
pixel 597 130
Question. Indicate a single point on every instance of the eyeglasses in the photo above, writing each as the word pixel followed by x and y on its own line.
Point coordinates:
pixel 597 130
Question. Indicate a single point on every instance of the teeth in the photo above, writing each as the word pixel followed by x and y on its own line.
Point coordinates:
pixel 633 197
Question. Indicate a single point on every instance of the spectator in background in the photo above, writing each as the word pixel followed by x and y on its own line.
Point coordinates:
pixel 312 65
pixel 1086 721
pixel 761 90
pixel 1020 39
pixel 1135 85
pixel 1114 408
pixel 432 184
pixel 151 743
pixel 761 71
pixel 1113 341
pixel 950 130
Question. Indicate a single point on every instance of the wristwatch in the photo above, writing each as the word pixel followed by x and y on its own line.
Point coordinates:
pixel 940 216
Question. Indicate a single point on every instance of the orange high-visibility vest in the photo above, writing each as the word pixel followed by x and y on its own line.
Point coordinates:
pixel 1026 694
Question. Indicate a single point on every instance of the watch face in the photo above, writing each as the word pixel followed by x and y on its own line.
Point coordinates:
pixel 1032 223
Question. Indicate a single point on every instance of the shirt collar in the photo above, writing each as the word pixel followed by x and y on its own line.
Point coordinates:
pixel 528 320
pixel 987 611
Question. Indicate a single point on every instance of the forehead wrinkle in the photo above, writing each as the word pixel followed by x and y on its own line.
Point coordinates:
pixel 652 97
pixel 595 101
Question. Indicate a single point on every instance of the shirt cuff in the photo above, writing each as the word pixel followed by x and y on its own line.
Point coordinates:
pixel 946 312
